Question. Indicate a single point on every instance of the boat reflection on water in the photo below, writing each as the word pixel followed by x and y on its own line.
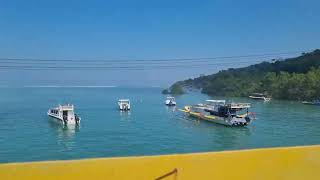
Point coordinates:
pixel 219 137
pixel 65 134
pixel 232 138
pixel 171 108
pixel 125 115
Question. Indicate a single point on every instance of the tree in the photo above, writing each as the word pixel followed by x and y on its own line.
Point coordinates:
pixel 165 91
pixel 176 89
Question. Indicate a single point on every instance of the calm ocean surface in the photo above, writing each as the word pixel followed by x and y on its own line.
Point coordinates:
pixel 27 134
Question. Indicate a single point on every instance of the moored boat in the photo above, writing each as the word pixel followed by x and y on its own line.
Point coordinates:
pixel 219 112
pixel 170 101
pixel 315 102
pixel 65 114
pixel 124 104
pixel 259 96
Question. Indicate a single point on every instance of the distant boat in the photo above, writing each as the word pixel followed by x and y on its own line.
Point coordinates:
pixel 170 101
pixel 124 104
pixel 65 114
pixel 315 102
pixel 217 111
pixel 259 96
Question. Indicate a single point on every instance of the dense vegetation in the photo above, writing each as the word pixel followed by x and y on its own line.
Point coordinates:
pixel 175 89
pixel 294 78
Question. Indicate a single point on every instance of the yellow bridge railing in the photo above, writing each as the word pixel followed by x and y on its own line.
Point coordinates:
pixel 271 163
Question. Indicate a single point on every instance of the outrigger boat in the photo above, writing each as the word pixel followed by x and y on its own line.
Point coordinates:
pixel 170 101
pixel 259 96
pixel 65 114
pixel 220 112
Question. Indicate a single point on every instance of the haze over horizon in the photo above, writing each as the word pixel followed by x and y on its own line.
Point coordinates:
pixel 130 30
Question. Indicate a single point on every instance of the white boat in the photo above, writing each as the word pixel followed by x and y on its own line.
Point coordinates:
pixel 259 96
pixel 65 114
pixel 170 101
pixel 124 104
pixel 314 102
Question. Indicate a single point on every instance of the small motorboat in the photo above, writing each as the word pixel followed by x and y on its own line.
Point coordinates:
pixel 124 104
pixel 170 101
pixel 260 96
pixel 315 102
pixel 65 114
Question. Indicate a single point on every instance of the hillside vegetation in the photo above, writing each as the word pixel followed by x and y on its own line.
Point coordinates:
pixel 293 78
pixel 175 89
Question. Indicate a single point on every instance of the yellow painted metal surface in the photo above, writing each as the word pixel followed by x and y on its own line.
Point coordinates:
pixel 196 114
pixel 273 163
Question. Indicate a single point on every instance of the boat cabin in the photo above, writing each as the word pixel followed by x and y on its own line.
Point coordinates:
pixel 223 109
pixel 124 104
pixel 170 98
pixel 170 101
pixel 213 105
pixel 198 109
pixel 64 113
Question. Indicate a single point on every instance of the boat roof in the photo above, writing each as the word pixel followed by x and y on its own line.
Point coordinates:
pixel 216 101
pixel 258 94
pixel 170 97
pixel 239 105
pixel 124 100
pixel 66 107
pixel 198 106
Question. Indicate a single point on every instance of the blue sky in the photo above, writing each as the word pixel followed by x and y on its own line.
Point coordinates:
pixel 150 29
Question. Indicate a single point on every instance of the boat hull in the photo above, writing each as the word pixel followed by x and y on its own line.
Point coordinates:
pixel 124 109
pixel 170 103
pixel 311 103
pixel 257 98
pixel 260 98
pixel 220 120
pixel 56 118
pixel 60 120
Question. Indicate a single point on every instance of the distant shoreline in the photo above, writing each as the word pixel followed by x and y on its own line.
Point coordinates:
pixel 287 79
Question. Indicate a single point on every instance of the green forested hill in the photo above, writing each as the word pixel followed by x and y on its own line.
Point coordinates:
pixel 294 78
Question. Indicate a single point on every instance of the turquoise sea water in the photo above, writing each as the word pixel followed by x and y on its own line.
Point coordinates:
pixel 27 134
